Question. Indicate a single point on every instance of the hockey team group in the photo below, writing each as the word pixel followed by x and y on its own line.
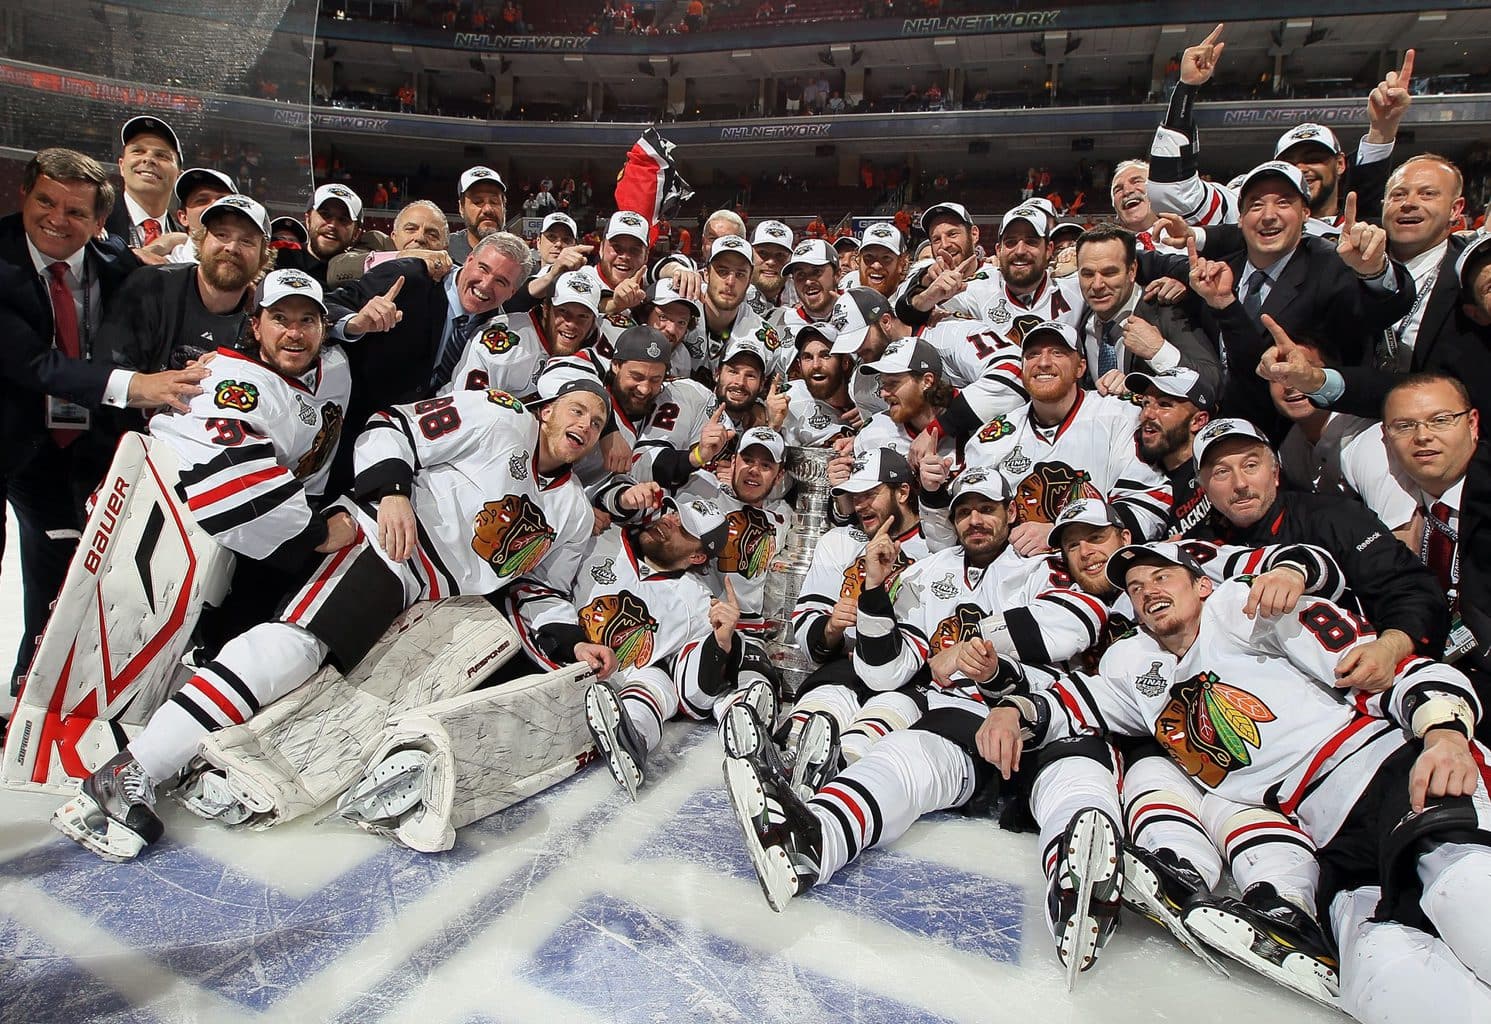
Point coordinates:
pixel 1142 538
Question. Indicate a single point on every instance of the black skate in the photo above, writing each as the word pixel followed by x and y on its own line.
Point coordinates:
pixel 815 755
pixel 113 813
pixel 743 735
pixel 612 730
pixel 1159 885
pixel 1083 894
pixel 782 834
pixel 1274 937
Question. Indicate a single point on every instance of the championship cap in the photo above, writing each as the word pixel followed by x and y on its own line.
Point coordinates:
pixel 908 355
pixel 873 468
pixel 642 344
pixel 845 242
pixel 625 222
pixel 145 124
pixel 854 313
pixel 1309 132
pixel 579 288
pixel 241 205
pixel 772 232
pixel 1181 382
pixel 745 347
pixel 1065 332
pixel 294 225
pixel 731 243
pixel 810 252
pixel 662 293
pixel 956 210
pixel 476 176
pixel 563 220
pixel 981 481
pixel 817 329
pixel 557 385
pixel 1153 553
pixel 1031 214
pixel 763 437
pixel 343 195
pixel 1276 169
pixel 703 519
pixel 884 235
pixel 1088 511
pixel 1217 430
pixel 1473 253
pixel 281 284
pixel 1067 229
pixel 198 177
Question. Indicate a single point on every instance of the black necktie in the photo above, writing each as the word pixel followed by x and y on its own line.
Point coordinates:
pixel 1253 294
pixel 453 352
pixel 1107 350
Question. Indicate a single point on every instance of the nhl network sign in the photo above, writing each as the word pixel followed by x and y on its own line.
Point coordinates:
pixel 1004 21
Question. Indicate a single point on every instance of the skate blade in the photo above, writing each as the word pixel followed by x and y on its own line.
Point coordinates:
pixel 392 789
pixel 1141 893
pixel 810 752
pixel 1092 853
pixel 116 843
pixel 208 795
pixel 773 867
pixel 742 738
pixel 601 714
pixel 1235 938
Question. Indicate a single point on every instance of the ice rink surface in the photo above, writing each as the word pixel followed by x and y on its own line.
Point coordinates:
pixel 576 906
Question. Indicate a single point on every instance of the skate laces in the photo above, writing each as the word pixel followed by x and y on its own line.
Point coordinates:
pixel 135 784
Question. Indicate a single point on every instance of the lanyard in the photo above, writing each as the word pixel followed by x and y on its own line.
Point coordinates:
pixel 1431 525
pixel 1401 327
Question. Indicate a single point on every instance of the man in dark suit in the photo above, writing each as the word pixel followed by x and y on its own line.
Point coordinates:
pixel 1121 331
pixel 1438 332
pixel 55 280
pixel 149 163
pixel 1433 434
pixel 406 330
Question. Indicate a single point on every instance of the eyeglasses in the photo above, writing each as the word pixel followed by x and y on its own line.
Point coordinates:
pixel 1437 424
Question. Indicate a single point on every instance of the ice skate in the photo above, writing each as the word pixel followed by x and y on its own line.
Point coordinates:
pixel 612 730
pixel 113 813
pixel 1084 891
pixel 1160 885
pixel 815 756
pixel 1274 937
pixel 782 835
pixel 391 790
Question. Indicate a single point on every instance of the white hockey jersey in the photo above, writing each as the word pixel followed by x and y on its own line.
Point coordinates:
pixel 979 360
pixel 811 423
pixel 1250 711
pixel 1092 452
pixel 989 299
pixel 788 321
pixel 707 348
pixel 884 432
pixel 756 535
pixel 468 461
pixel 508 354
pixel 680 362
pixel 256 447
pixel 838 570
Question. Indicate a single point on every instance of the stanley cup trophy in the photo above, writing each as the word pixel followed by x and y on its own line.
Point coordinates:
pixel 809 468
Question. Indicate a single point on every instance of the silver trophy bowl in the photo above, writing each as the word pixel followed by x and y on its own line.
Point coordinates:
pixel 809 468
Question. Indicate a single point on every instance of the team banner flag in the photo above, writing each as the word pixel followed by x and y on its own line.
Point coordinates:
pixel 649 182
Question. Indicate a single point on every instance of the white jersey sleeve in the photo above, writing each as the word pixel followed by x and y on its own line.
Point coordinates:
pixel 1366 469
pixel 1196 201
pixel 407 438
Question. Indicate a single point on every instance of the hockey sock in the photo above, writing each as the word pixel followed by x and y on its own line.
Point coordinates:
pixel 1064 787
pixel 1457 891
pixel 838 701
pixel 640 705
pixel 1164 813
pixel 883 713
pixel 1263 846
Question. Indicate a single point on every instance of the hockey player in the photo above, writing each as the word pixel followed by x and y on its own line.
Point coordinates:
pixel 915 392
pixel 623 260
pixel 1389 786
pixel 1066 443
pixel 882 261
pixel 815 409
pixel 496 502
pixel 664 309
pixel 1173 408
pixel 726 316
pixel 770 289
pixel 1132 209
pixel 814 270
pixel 740 383
pixel 510 352
pixel 641 595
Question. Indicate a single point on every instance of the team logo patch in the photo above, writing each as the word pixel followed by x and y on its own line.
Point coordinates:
pixel 304 411
pixel 995 429
pixel 324 444
pixel 517 467
pixel 630 219
pixel 1214 431
pixel 775 231
pixel 497 339
pixel 1040 497
pixel 1016 463
pixel 579 284
pixel 1151 683
pixel 501 398
pixel 999 313
pixel 945 588
pixel 840 319
pixel 1208 726
pixel 291 279
pixel 622 320
pixel 233 394
pixel 854 577
pixel 511 535
pixel 604 573
pixel 769 337
pixel 961 625
pixel 622 623
pixel 1024 324
pixel 819 419
pixel 750 544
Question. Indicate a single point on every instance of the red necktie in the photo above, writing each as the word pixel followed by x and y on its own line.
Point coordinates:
pixel 1441 558
pixel 150 231
pixel 65 321
pixel 1146 240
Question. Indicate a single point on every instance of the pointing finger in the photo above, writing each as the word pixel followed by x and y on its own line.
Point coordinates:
pixel 1406 72
pixel 1348 216
pixel 730 592
pixel 1281 337
pixel 1216 34
pixel 968 265
pixel 1191 252
pixel 394 289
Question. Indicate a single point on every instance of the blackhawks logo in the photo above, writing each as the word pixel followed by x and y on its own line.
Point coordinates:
pixel 501 398
pixel 324 443
pixel 996 428
pixel 750 545
pixel 511 535
pixel 1208 726
pixel 1041 496
pixel 240 395
pixel 621 622
pixel 769 337
pixel 961 625
pixel 497 339
pixel 622 320
pixel 854 577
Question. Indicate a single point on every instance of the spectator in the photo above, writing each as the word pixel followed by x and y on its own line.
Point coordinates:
pixel 694 17
pixel 789 8
pixel 766 11
pixel 836 103
pixel 380 196
pixel 406 98
pixel 933 96
pixel 794 96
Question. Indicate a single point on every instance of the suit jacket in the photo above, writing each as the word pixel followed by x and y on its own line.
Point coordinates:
pixel 119 225
pixel 1196 349
pixel 30 366
pixel 1448 341
pixel 1474 551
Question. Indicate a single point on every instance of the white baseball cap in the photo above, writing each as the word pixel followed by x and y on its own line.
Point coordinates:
pixel 854 313
pixel 563 219
pixel 876 467
pixel 626 222
pixel 343 195
pixel 772 232
pixel 981 481
pixel 1181 382
pixel 884 235
pixel 957 210
pixel 845 242
pixel 1064 331
pixel 578 288
pixel 1031 214
pixel 1089 511
pixel 703 519
pixel 147 124
pixel 662 292
pixel 1315 134
pixel 732 243
pixel 241 205
pixel 281 284
pixel 817 329
pixel 196 177
pixel 745 347
pixel 1276 169
pixel 1153 553
pixel 811 252
pixel 764 437
pixel 1217 430
pixel 479 174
